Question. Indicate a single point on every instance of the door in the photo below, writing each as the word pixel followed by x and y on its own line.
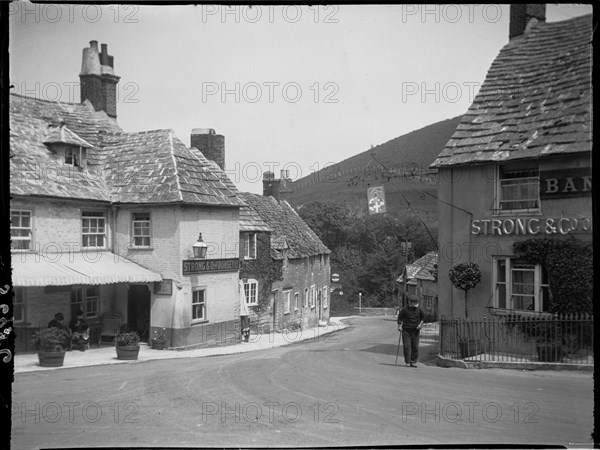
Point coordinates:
pixel 138 310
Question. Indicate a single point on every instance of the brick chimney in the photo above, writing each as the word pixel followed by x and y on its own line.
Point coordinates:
pixel 280 190
pixel 98 82
pixel 523 16
pixel 211 145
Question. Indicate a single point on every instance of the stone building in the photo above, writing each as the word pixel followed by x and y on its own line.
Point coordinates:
pixel 519 165
pixel 106 220
pixel 285 266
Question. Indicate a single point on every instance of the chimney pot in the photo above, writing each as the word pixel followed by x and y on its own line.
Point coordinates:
pixel 104 48
pixel 94 44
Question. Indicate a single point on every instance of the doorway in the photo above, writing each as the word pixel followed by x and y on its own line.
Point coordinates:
pixel 138 310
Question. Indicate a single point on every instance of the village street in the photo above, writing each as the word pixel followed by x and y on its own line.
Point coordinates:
pixel 342 389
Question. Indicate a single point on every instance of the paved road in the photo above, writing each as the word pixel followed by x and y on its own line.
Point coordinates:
pixel 343 389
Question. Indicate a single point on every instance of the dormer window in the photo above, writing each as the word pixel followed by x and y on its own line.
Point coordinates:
pixel 75 156
pixel 62 140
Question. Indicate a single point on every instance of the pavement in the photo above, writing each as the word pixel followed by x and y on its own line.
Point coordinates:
pixel 28 362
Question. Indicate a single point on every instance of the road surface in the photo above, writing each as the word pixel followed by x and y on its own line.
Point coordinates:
pixel 341 389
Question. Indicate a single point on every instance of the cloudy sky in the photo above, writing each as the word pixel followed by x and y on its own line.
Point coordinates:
pixel 291 87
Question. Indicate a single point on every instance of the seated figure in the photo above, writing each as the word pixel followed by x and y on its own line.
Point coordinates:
pixel 79 331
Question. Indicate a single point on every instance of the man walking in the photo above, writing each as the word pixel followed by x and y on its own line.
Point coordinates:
pixel 410 321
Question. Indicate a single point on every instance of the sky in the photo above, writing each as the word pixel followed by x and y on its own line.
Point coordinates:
pixel 290 87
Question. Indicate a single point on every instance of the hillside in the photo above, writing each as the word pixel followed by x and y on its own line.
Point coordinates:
pixel 400 165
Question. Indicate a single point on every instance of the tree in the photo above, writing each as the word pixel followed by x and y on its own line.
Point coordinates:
pixel 464 277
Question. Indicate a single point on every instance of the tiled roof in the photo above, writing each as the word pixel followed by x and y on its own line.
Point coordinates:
pixel 535 101
pixel 421 269
pixel 250 220
pixel 35 169
pixel 143 167
pixel 289 231
pixel 156 167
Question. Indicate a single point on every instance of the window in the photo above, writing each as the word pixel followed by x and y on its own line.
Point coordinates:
pixel 85 298
pixel 325 290
pixel 20 229
pixel 306 297
pixel 198 304
pixel 250 290
pixel 140 224
pixel 287 298
pixel 428 301
pixel 520 285
pixel 311 297
pixel 74 156
pixel 250 246
pixel 93 229
pixel 296 300
pixel 19 304
pixel 519 189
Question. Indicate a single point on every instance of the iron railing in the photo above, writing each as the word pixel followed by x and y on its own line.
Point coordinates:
pixel 516 338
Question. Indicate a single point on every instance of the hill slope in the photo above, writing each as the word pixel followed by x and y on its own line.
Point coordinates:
pixel 400 165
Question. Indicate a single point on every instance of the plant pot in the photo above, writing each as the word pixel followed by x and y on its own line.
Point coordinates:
pixel 549 352
pixel 51 359
pixel 128 352
pixel 158 345
pixel 469 347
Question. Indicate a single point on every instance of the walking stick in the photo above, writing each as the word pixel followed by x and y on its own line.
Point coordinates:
pixel 398 350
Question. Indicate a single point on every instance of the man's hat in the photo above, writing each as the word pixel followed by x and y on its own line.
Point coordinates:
pixel 413 299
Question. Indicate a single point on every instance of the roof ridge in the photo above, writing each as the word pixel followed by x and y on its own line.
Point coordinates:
pixel 172 149
pixel 37 99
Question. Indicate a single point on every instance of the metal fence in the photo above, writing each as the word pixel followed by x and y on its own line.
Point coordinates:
pixel 515 338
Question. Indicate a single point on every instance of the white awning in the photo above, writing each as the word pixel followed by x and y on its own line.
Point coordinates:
pixel 87 268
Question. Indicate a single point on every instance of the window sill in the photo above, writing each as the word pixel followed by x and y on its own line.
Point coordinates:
pixel 199 322
pixel 249 259
pixel 251 304
pixel 140 248
pixel 517 212
pixel 518 312
pixel 286 313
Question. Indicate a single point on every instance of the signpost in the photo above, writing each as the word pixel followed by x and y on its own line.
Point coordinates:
pixel 335 277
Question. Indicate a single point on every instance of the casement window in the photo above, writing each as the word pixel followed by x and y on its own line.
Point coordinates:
pixel 93 229
pixel 85 298
pixel 287 299
pixel 325 290
pixel 520 285
pixel 296 301
pixel 140 229
pixel 311 296
pixel 19 305
pixel 250 291
pixel 250 246
pixel 75 156
pixel 518 189
pixel 306 293
pixel 428 302
pixel 199 304
pixel 20 229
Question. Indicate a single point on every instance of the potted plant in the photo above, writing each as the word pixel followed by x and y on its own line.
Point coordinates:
pixel 464 277
pixel 50 344
pixel 128 345
pixel 159 341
